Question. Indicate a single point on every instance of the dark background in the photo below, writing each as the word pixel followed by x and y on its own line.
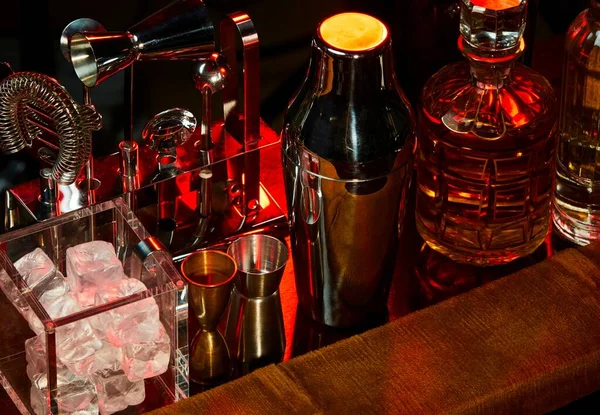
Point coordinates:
pixel 424 38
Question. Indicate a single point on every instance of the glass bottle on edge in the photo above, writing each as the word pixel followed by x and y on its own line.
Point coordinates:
pixel 487 139
pixel 348 144
pixel 576 211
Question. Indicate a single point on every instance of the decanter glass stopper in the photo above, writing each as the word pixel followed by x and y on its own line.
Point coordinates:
pixel 493 25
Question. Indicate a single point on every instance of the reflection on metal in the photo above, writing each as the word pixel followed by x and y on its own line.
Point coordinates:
pixel 166 131
pixel 128 169
pixel 212 193
pixel 348 148
pixel 210 76
pixel 227 218
pixel 73 122
pixel 261 261
pixel 209 275
pixel 129 153
pixel 77 26
pixel 181 30
pixel 242 119
pixel 12 215
pixel 48 191
pixel 148 246
pixel 255 333
pixel 204 200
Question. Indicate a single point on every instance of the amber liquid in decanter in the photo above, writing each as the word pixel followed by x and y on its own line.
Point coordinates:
pixel 486 158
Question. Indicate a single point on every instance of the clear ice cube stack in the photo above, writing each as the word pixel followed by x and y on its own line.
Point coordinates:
pixel 91 328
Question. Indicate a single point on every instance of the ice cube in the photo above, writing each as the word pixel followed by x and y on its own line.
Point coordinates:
pixel 15 296
pixel 35 354
pixel 51 296
pixel 85 297
pixel 76 398
pixel 116 392
pixel 35 267
pixel 135 322
pixel 37 371
pixel 119 289
pixel 108 358
pixel 92 265
pixel 62 306
pixel 75 395
pixel 146 359
pixel 40 379
pixel 37 400
pixel 76 345
pixel 41 276
pixel 54 288
pixel 76 342
pixel 44 282
pixel 136 328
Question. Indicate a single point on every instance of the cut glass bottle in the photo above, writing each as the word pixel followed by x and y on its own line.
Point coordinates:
pixel 577 201
pixel 487 139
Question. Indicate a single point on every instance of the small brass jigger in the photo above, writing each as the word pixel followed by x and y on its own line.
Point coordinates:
pixel 210 277
pixel 255 333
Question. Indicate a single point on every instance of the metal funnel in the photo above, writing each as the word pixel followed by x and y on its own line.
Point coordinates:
pixel 181 30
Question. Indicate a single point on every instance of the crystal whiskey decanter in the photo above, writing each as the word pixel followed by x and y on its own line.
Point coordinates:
pixel 487 139
pixel 576 211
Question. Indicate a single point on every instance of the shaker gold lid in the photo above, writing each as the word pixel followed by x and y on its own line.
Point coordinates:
pixel 496 4
pixel 353 32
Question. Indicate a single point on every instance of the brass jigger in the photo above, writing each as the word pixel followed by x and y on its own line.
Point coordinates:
pixel 255 333
pixel 210 277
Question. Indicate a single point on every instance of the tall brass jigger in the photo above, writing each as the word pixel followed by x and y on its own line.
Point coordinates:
pixel 255 332
pixel 210 276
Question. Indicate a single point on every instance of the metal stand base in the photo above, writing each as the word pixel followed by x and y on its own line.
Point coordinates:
pixel 168 203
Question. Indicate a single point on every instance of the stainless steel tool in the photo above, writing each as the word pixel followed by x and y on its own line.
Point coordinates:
pixel 181 30
pixel 22 91
pixel 254 333
pixel 348 149
pixel 210 75
pixel 217 188
pixel 77 26
pixel 165 133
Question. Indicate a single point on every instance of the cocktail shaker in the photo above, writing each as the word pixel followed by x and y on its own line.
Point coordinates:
pixel 348 144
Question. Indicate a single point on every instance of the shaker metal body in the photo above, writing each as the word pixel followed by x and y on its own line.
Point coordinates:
pixel 348 144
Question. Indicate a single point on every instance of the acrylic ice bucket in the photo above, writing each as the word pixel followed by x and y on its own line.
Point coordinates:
pixel 88 324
